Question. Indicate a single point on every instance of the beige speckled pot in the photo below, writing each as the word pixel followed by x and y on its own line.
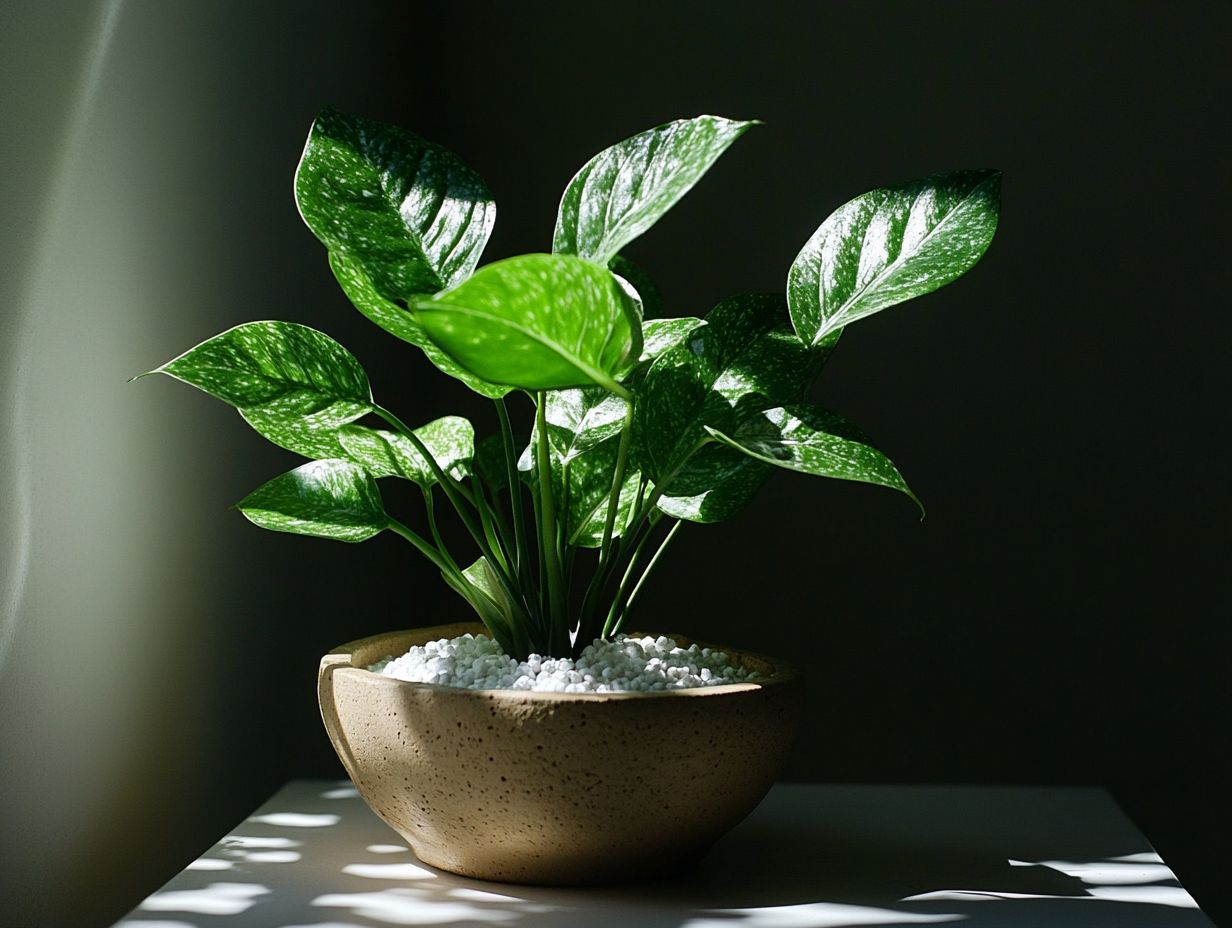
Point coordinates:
pixel 555 788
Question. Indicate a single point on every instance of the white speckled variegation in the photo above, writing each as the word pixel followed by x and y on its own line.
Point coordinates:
pixel 398 321
pixel 890 245
pixel 412 213
pixel 744 356
pixel 622 191
pixel 450 440
pixel 327 499
pixel 813 441
pixel 294 385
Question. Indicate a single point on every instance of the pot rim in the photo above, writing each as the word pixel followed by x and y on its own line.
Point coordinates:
pixel 345 655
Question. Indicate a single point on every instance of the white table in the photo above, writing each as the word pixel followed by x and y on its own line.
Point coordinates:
pixel 811 856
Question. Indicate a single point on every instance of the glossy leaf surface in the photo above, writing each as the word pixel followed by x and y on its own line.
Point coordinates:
pixel 623 190
pixel 813 441
pixel 744 354
pixel 294 385
pixel 411 213
pixel 326 499
pixel 584 427
pixel 450 440
pixel 538 322
pixel 891 245
pixel 398 321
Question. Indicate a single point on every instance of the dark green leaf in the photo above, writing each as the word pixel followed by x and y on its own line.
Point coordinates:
pixel 660 335
pixel 716 484
pixel 327 499
pixel 538 322
pixel 398 321
pixel 450 440
pixel 489 462
pixel 411 213
pixel 622 191
pixel 891 245
pixel 743 354
pixel 588 477
pixel 813 441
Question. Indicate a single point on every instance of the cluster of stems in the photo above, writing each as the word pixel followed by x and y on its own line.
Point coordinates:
pixel 527 596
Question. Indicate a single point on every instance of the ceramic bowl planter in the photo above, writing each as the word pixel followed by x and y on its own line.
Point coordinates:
pixel 555 788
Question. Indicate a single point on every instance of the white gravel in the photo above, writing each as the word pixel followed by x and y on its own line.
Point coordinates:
pixel 634 665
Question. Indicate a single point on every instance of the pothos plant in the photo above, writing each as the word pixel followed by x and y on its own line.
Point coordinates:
pixel 640 422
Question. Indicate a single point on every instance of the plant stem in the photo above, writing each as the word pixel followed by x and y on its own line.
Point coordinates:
pixel 618 477
pixel 663 546
pixel 444 562
pixel 515 492
pixel 436 532
pixel 549 535
pixel 454 492
pixel 614 609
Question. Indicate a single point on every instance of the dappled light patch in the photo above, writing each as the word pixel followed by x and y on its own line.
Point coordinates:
pixel 295 820
pixel 411 907
pixel 389 871
pixel 812 915
pixel 215 899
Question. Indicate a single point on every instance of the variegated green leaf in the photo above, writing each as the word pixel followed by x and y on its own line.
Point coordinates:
pixel 294 385
pixel 584 427
pixel 743 354
pixel 398 321
pixel 813 441
pixel 715 485
pixel 622 191
pixel 588 478
pixel 450 440
pixel 660 335
pixel 326 499
pixel 412 214
pixel 313 435
pixel 890 245
pixel 538 322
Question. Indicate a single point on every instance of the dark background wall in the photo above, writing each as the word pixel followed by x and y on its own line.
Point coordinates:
pixel 1061 615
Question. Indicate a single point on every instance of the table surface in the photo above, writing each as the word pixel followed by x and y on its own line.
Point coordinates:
pixel 811 856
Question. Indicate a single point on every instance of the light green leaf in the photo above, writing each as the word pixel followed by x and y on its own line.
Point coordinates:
pixel 538 322
pixel 481 576
pixel 293 384
pixel 326 499
pixel 622 191
pixel 450 440
pixel 398 321
pixel 813 441
pixel 411 213
pixel 891 245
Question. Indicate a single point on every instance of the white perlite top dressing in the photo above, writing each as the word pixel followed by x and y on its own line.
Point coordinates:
pixel 634 665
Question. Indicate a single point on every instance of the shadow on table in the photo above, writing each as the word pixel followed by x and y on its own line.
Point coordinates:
pixel 898 874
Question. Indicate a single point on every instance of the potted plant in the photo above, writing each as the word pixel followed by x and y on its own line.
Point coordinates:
pixel 640 423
